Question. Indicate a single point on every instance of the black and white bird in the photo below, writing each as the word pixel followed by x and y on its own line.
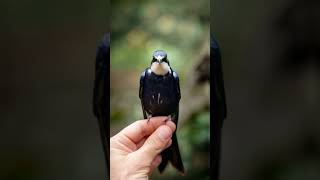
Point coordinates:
pixel 159 93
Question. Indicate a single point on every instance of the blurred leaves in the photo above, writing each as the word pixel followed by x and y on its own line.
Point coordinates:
pixel 140 28
pixel 199 128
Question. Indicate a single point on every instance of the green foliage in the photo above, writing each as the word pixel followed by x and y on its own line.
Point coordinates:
pixel 199 128
pixel 140 28
pixel 194 138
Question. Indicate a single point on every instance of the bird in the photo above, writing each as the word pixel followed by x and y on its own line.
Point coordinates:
pixel 101 95
pixel 218 99
pixel 160 95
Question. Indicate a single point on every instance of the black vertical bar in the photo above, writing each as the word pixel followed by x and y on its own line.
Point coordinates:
pixel 101 95
pixel 218 104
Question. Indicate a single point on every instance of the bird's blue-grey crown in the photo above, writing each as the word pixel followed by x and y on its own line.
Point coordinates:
pixel 159 56
pixel 159 53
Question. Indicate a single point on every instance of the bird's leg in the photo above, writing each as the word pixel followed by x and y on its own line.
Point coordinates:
pixel 149 117
pixel 169 118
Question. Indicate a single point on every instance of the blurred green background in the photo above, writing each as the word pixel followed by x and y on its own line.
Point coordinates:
pixel 181 29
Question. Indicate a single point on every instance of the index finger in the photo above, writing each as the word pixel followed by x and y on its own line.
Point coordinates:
pixel 141 128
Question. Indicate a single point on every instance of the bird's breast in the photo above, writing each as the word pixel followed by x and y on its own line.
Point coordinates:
pixel 160 96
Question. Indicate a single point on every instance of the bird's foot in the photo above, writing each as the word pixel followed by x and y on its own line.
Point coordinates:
pixel 169 118
pixel 149 117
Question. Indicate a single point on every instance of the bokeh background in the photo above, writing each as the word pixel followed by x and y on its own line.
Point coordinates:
pixel 183 31
pixel 47 127
pixel 271 62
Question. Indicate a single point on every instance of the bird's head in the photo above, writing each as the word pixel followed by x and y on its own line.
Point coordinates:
pixel 160 64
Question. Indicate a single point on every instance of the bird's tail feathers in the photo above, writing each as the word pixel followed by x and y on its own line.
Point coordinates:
pixel 172 154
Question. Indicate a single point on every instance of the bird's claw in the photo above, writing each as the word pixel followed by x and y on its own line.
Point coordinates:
pixel 169 118
pixel 149 117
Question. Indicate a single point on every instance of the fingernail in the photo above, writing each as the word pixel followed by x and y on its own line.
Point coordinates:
pixel 172 125
pixel 164 133
pixel 169 143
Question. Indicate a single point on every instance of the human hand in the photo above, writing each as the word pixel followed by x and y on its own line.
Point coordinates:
pixel 135 151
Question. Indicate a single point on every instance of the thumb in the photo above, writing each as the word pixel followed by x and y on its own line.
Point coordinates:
pixel 155 143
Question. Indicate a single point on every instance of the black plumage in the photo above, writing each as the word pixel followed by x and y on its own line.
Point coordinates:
pixel 101 95
pixel 218 105
pixel 160 96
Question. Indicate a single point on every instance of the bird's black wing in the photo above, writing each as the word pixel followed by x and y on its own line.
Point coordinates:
pixel 218 82
pixel 172 154
pixel 142 77
pixel 218 103
pixel 177 86
pixel 100 95
pixel 177 83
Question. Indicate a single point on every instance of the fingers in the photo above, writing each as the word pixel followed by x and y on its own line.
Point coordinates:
pixel 168 144
pixel 139 129
pixel 140 144
pixel 156 142
pixel 155 163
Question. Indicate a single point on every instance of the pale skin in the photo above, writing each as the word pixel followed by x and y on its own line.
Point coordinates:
pixel 135 150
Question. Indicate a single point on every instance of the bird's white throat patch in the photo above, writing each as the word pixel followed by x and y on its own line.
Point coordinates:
pixel 160 68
